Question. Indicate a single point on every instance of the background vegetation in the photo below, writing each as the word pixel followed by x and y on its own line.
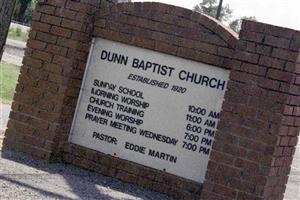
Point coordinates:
pixel 18 34
pixel 8 79
pixel 23 11
pixel 210 7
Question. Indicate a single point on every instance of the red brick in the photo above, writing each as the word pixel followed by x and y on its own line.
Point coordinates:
pixel 82 17
pixel 294 89
pixel 251 36
pixel 55 30
pixel 264 50
pixel 79 55
pixel 293 141
pixel 36 16
pixel 69 43
pixel 31 62
pixel 284 141
pixel 254 69
pixel 55 68
pixel 288 110
pixel 50 19
pixel 62 60
pixel 77 6
pixel 208 58
pixel 279 75
pixel 145 43
pixel 224 191
pixel 232 64
pixel 293 131
pixel 247 57
pixel 35 44
pixel 42 55
pixel 80 36
pixel 45 9
pixel 209 38
pixel 296 111
pixel 250 25
pixel 58 50
pixel 284 54
pixel 163 37
pixel 297 80
pixel 205 47
pixel 269 84
pixel 226 52
pixel 57 3
pixel 66 13
pixel 45 37
pixel 288 151
pixel 279 31
pixel 277 42
pixel 71 24
pixel 247 196
pixel 265 138
pixel 271 62
pixel 38 26
pixel 165 48
pixel 292 67
pixel 295 44
pixel 288 120
pixel 295 100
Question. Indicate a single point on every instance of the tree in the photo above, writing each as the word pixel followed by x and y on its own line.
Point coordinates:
pixel 210 7
pixel 25 17
pixel 237 23
pixel 22 9
pixel 6 11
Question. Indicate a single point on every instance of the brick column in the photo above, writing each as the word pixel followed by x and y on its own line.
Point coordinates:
pixel 52 69
pixel 260 122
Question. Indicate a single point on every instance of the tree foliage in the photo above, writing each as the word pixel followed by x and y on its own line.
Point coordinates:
pixel 24 10
pixel 6 11
pixel 210 7
pixel 237 23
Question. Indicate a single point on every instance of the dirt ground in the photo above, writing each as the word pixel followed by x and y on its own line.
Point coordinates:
pixel 22 177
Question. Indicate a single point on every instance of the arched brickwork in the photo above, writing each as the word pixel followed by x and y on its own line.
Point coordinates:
pixel 167 29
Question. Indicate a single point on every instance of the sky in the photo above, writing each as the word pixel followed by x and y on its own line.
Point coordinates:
pixel 284 13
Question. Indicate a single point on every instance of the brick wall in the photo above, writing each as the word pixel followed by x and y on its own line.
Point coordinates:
pixel 51 74
pixel 259 125
pixel 260 120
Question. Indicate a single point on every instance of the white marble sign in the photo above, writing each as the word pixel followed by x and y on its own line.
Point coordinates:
pixel 150 108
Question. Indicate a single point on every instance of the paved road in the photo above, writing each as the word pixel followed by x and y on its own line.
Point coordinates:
pixel 24 178
pixel 4 113
pixel 293 187
pixel 14 52
pixel 15 25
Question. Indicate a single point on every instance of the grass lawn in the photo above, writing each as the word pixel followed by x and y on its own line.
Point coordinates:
pixel 8 79
pixel 17 34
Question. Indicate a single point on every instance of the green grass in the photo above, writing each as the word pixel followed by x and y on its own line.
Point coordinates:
pixel 18 34
pixel 8 79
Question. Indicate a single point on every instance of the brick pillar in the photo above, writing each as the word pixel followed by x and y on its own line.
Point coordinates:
pixel 258 129
pixel 52 69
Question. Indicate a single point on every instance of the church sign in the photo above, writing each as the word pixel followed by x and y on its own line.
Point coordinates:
pixel 150 108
